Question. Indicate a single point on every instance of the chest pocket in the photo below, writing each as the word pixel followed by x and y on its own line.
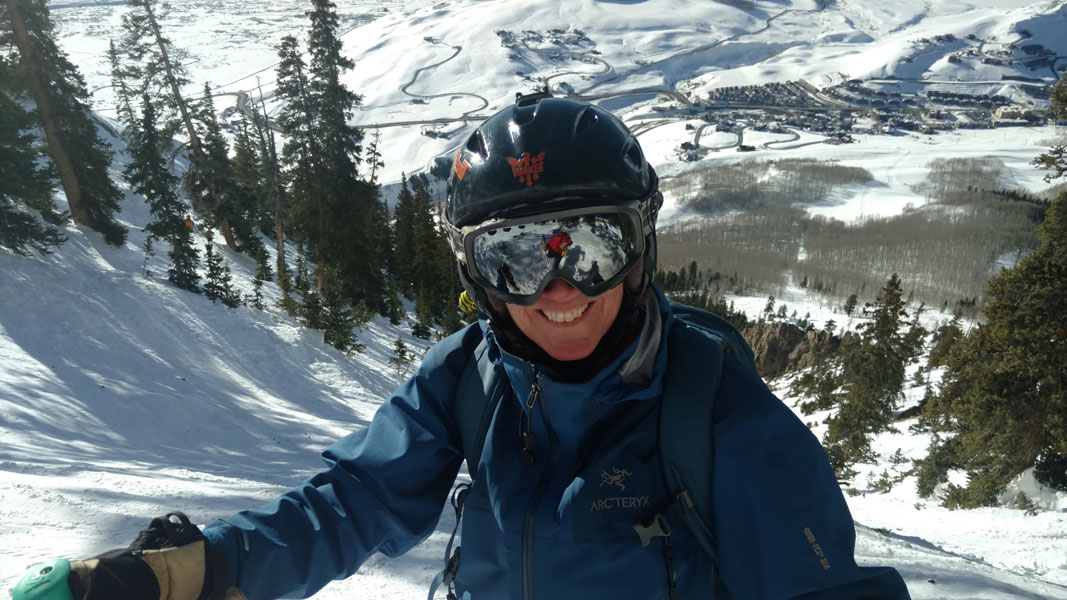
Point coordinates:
pixel 622 484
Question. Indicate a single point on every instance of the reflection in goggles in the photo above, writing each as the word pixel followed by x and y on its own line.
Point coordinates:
pixel 585 249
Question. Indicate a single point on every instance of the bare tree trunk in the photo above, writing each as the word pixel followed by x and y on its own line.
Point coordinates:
pixel 270 155
pixel 67 175
pixel 321 258
pixel 199 160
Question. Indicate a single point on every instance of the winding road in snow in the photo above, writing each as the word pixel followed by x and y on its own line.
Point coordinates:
pixel 607 74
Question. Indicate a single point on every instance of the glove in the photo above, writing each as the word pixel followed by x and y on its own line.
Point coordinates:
pixel 171 560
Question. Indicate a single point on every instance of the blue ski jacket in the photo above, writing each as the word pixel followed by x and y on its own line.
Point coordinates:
pixel 562 528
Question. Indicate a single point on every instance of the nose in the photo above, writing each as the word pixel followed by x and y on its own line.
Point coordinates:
pixel 559 290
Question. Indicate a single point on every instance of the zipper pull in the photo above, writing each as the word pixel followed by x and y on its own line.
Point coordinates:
pixel 528 439
pixel 535 391
pixel 529 444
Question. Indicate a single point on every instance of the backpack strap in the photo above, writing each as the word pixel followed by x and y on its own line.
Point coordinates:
pixel 478 393
pixel 716 327
pixel 686 446
pixel 481 386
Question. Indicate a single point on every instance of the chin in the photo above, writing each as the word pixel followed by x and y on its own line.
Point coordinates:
pixel 570 353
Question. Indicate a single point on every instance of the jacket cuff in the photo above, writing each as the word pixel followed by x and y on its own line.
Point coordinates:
pixel 219 556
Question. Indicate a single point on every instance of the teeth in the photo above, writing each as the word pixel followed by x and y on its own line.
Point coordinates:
pixel 565 317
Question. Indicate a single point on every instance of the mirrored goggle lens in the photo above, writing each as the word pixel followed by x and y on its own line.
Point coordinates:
pixel 587 250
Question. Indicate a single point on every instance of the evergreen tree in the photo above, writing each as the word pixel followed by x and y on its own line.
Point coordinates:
pixel 433 270
pixel 423 313
pixel 403 259
pixel 19 231
pixel 218 286
pixel 301 277
pixel 1056 158
pixel 357 224
pixel 340 319
pixel 768 309
pixel 287 302
pixel 155 63
pixel 875 375
pixel 149 252
pixel 359 245
pixel 425 272
pixel 1002 407
pixel 312 311
pixel 334 211
pixel 850 304
pixel 263 272
pixel 149 176
pixel 401 358
pixel 252 194
pixel 395 308
pixel 944 339
pixel 256 299
pixel 865 380
pixel 81 158
pixel 692 276
pixel 273 207
pixel 120 75
pixel 239 205
pixel 24 183
pixel 299 153
pixel 374 156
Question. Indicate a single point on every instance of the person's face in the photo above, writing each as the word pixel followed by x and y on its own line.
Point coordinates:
pixel 566 324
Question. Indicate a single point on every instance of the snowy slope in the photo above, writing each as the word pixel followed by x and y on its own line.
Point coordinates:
pixel 122 397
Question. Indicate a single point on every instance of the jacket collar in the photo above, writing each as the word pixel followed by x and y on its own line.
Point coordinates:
pixel 636 373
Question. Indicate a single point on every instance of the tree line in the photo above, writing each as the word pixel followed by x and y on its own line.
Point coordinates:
pixel 943 251
pixel 317 188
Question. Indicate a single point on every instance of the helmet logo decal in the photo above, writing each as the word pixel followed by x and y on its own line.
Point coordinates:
pixel 528 169
pixel 460 165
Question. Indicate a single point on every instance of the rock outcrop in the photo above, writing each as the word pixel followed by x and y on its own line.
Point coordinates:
pixel 781 347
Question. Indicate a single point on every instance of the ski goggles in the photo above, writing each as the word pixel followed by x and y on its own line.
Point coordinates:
pixel 591 248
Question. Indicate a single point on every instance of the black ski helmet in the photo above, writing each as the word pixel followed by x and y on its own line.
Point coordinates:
pixel 544 154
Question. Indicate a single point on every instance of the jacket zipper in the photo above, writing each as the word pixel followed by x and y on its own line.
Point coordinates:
pixel 539 492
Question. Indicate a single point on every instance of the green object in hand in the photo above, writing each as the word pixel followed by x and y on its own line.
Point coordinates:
pixel 46 581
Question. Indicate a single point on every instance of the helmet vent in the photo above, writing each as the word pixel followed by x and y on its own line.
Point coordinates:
pixel 476 144
pixel 587 119
pixel 633 157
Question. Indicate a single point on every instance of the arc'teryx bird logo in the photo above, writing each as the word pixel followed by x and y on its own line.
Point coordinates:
pixel 617 477
pixel 527 169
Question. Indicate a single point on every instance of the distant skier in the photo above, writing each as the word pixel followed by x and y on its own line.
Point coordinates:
pixel 189 222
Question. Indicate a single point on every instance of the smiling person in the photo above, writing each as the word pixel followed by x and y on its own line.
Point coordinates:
pixel 619 445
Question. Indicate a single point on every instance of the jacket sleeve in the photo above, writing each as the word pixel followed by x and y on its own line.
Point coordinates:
pixel 783 528
pixel 383 490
